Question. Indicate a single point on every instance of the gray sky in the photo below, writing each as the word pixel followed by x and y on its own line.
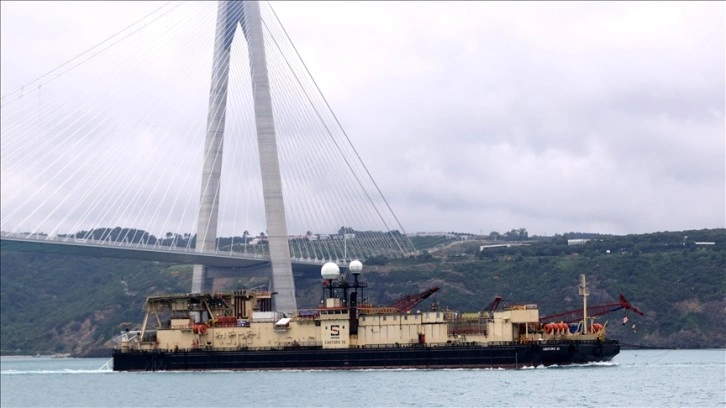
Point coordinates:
pixel 480 116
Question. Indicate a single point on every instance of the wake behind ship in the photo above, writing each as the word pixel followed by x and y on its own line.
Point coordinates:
pixel 238 330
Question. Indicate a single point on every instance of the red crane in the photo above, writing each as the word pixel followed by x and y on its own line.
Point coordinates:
pixel 491 307
pixel 406 303
pixel 592 311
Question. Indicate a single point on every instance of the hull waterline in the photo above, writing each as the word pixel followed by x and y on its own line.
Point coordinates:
pixel 421 357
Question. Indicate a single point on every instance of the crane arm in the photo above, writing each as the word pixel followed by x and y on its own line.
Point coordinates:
pixel 627 305
pixel 406 303
pixel 593 311
pixel 491 307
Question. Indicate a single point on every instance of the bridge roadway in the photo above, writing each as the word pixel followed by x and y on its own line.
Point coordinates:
pixel 219 261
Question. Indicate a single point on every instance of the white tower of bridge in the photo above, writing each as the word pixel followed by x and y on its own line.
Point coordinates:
pixel 247 15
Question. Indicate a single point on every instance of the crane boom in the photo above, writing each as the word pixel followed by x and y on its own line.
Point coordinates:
pixel 593 311
pixel 406 303
pixel 491 307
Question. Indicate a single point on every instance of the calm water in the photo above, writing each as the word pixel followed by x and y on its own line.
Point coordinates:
pixel 642 378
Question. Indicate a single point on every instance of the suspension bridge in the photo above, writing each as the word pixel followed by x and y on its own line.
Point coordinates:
pixel 178 138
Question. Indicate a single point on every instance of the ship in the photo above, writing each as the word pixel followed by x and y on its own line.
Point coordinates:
pixel 239 330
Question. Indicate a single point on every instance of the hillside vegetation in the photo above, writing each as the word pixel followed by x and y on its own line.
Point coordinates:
pixel 52 303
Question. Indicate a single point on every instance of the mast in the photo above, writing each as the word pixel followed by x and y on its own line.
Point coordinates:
pixel 584 292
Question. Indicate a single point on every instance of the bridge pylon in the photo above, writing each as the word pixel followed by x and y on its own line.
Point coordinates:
pixel 247 15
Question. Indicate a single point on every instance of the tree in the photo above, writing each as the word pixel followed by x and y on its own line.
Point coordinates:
pixel 345 230
pixel 425 256
pixel 523 234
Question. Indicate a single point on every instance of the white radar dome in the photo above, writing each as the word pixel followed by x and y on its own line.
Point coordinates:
pixel 355 267
pixel 330 271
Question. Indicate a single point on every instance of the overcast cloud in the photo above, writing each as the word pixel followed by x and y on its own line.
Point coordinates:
pixel 485 116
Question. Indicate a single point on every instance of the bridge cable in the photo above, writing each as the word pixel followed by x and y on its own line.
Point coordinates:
pixel 340 125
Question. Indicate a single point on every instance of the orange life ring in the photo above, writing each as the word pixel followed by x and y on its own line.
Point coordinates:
pixel 596 328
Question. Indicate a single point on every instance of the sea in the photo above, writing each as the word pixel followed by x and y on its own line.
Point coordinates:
pixel 635 378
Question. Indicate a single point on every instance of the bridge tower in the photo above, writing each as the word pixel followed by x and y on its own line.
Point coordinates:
pixel 247 15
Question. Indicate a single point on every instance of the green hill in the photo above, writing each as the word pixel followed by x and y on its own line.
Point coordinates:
pixel 51 303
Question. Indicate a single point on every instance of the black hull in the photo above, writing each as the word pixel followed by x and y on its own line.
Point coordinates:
pixel 424 357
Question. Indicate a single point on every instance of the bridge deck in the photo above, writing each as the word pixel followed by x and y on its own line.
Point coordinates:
pixel 146 253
